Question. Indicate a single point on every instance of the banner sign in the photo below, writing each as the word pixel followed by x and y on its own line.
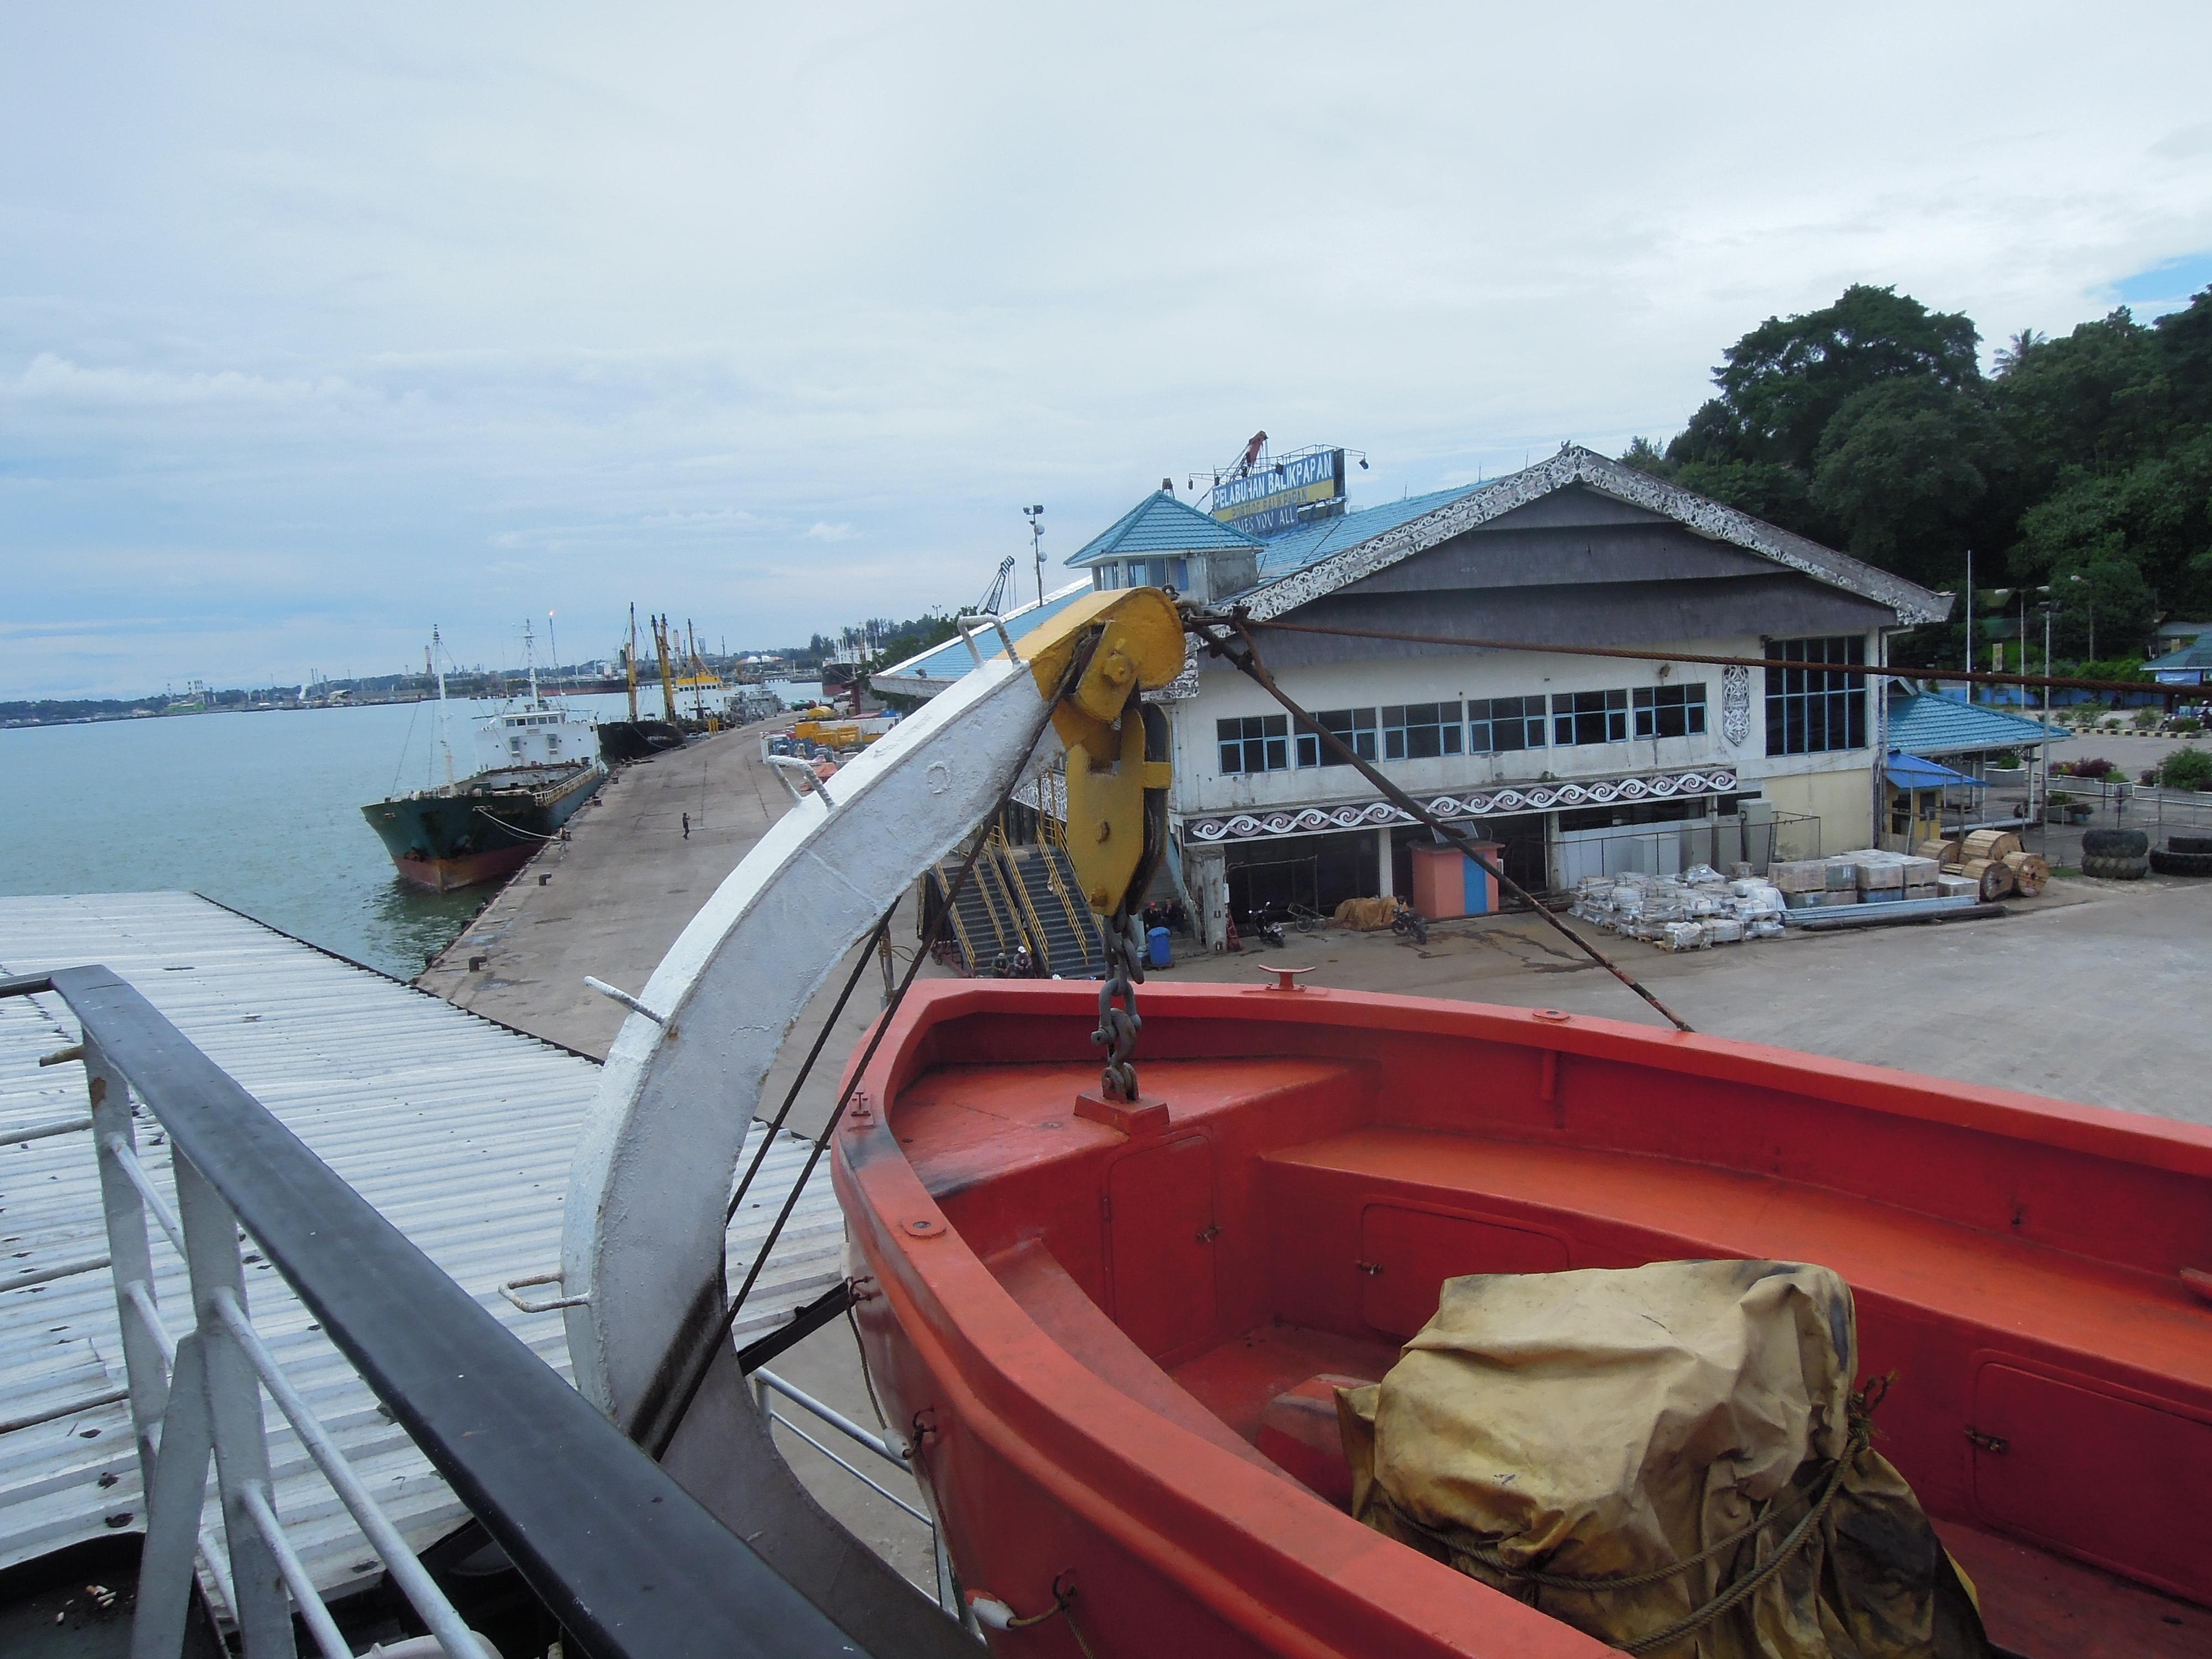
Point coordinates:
pixel 1266 500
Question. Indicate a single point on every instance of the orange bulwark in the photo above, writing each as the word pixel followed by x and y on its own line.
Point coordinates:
pixel 1096 1332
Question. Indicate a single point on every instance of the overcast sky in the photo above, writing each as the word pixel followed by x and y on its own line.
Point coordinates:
pixel 319 326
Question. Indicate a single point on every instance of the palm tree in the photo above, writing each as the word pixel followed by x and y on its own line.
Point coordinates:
pixel 2010 357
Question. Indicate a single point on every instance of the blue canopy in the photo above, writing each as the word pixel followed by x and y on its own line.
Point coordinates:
pixel 1911 772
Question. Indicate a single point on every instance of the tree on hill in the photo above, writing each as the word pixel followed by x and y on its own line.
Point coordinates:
pixel 2084 461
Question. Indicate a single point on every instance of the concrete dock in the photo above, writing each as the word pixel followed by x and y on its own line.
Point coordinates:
pixel 611 899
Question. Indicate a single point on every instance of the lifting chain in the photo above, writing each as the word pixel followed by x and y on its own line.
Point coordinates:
pixel 1118 1027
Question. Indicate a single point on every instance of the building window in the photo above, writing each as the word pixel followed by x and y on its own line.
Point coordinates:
pixel 1501 723
pixel 1355 727
pixel 1420 731
pixel 1812 708
pixel 1258 743
pixel 1670 711
pixel 1589 717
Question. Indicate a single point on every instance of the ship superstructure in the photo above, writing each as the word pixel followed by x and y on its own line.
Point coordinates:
pixel 539 764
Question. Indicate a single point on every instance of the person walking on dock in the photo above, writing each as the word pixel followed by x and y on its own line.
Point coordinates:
pixel 687 826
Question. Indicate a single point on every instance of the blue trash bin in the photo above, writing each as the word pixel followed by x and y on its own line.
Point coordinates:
pixel 1157 954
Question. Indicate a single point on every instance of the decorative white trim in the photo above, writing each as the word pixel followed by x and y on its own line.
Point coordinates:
pixel 1573 465
pixel 1735 705
pixel 1512 798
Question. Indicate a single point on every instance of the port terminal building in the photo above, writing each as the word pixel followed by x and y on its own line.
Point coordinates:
pixel 1573 765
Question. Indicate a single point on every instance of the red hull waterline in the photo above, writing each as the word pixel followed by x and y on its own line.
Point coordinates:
pixel 443 875
pixel 1090 1329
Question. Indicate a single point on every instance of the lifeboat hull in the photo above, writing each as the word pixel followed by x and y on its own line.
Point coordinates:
pixel 1111 1334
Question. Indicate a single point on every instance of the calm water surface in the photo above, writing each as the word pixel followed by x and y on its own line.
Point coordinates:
pixel 259 811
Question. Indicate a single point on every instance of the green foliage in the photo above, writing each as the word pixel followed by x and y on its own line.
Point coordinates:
pixel 1783 382
pixel 2187 769
pixel 1906 464
pixel 1647 457
pixel 2085 462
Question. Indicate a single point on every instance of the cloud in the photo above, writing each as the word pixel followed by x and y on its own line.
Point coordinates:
pixel 50 377
pixel 461 315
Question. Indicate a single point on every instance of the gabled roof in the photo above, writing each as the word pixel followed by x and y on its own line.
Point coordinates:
pixel 927 672
pixel 1923 723
pixel 2196 654
pixel 1162 523
pixel 1341 552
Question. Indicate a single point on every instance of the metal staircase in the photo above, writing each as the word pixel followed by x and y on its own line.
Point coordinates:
pixel 1020 895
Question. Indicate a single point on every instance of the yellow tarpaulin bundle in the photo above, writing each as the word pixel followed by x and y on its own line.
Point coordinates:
pixel 1366 914
pixel 1670 1458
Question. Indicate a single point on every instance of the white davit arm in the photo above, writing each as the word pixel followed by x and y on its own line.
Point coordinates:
pixel 642 1242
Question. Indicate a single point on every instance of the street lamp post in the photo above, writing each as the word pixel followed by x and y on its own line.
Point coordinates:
pixel 1035 516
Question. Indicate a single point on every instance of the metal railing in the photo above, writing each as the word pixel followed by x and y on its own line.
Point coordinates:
pixel 625 1558
pixel 766 1384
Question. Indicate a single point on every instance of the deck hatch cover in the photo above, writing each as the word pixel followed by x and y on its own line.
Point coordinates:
pixel 2116 1482
pixel 1161 1229
pixel 1407 1253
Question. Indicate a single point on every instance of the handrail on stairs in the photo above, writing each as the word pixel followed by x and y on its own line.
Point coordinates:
pixel 1054 847
pixel 1010 870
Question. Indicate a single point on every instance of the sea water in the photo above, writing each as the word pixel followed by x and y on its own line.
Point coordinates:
pixel 259 811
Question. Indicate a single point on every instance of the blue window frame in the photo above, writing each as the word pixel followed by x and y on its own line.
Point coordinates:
pixel 1580 717
pixel 1421 731
pixel 1355 727
pixel 1497 725
pixel 1670 711
pixel 1256 742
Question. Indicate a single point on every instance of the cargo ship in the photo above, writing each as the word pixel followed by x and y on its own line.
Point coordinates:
pixel 541 765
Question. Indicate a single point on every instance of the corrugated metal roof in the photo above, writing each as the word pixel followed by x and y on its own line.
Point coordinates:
pixel 1162 523
pixel 930 672
pixel 2196 654
pixel 1912 772
pixel 1927 724
pixel 1303 546
pixel 458 1130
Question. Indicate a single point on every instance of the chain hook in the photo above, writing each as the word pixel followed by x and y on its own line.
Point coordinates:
pixel 1118 1027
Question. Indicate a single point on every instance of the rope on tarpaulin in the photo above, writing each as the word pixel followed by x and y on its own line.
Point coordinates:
pixel 1860 1409
pixel 1235 627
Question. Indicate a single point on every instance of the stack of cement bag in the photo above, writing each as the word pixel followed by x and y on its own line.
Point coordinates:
pixel 1689 912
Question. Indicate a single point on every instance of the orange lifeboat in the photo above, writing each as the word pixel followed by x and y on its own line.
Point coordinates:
pixel 1112 1332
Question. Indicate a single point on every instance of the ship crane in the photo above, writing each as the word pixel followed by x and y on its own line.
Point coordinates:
pixel 995 595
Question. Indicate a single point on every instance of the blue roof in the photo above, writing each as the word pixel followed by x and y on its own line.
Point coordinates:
pixel 1161 524
pixel 1300 548
pixel 949 661
pixel 1926 724
pixel 2196 654
pixel 1911 772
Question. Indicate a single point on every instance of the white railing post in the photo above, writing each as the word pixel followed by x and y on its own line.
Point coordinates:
pixel 176 1491
pixel 130 1256
pixel 263 1604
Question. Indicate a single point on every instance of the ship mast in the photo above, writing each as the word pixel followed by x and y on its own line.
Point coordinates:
pixel 698 672
pixel 444 726
pixel 631 662
pixel 667 675
pixel 530 658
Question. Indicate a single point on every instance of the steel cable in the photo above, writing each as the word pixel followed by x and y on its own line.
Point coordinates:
pixel 1247 662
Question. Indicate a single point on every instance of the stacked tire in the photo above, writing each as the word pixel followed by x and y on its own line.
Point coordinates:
pixel 2184 855
pixel 2120 854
